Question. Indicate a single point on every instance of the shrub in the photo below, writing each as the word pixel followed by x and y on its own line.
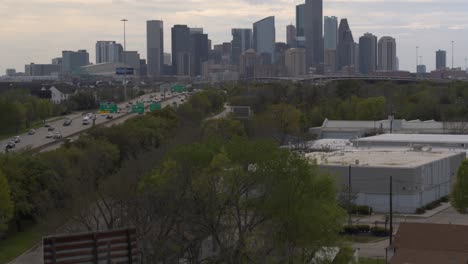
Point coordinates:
pixel 380 231
pixel 420 210
pixel 361 210
pixel 355 229
pixel 444 199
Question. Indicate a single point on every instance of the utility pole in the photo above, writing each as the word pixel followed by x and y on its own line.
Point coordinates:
pixel 391 210
pixel 125 58
pixel 417 58
pixel 466 64
pixel 349 195
pixel 453 50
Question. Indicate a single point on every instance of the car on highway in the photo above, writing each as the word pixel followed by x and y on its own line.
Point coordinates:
pixel 50 135
pixel 10 145
pixel 67 122
pixel 16 139
pixel 51 128
pixel 31 132
pixel 47 125
pixel 57 135
pixel 109 117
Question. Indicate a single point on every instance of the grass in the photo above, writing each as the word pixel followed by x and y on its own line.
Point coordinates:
pixel 362 239
pixel 371 261
pixel 18 243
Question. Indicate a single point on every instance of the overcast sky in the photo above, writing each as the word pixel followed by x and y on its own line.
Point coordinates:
pixel 38 30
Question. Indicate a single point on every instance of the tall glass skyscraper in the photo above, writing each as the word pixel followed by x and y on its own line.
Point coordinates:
pixel 264 33
pixel 346 46
pixel 313 31
pixel 155 47
pixel 181 56
pixel 367 53
pixel 300 20
pixel 387 54
pixel 331 33
pixel 241 41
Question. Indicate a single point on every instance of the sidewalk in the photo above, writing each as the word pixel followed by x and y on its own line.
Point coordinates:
pixel 380 218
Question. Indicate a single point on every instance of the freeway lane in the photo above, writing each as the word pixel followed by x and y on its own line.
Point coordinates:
pixel 39 138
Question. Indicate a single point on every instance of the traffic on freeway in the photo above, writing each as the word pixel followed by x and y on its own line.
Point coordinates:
pixel 75 123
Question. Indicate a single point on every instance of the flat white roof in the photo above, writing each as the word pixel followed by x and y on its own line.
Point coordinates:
pixel 379 158
pixel 417 138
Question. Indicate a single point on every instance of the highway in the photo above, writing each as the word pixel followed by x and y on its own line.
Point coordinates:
pixel 39 138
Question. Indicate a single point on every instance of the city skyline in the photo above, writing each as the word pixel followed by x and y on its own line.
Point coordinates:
pixel 411 23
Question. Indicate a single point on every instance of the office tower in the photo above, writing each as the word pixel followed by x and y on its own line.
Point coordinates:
pixel 441 59
pixel 346 47
pixel 57 61
pixel 249 60
pixel 264 36
pixel 291 35
pixel 313 31
pixel 155 47
pixel 199 52
pixel 196 30
pixel 367 53
pixel 300 9
pixel 280 51
pixel 41 69
pixel 143 68
pixel 10 72
pixel 331 33
pixel 132 60
pixel 387 54
pixel 295 60
pixel 181 57
pixel 241 41
pixel 167 59
pixel 421 69
pixel 108 52
pixel 74 60
pixel 330 61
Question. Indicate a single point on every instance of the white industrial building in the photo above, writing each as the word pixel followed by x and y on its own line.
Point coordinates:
pixel 419 176
pixel 344 129
pixel 450 142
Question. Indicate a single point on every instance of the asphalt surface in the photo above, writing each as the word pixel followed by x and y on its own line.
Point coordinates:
pixel 39 138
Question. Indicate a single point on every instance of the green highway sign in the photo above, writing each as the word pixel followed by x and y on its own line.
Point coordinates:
pixel 179 88
pixel 155 107
pixel 138 108
pixel 106 108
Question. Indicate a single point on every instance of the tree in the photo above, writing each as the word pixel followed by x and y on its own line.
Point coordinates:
pixel 6 205
pixel 253 201
pixel 224 129
pixel 460 189
pixel 281 120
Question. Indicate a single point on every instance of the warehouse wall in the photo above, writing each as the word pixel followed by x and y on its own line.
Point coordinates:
pixel 412 187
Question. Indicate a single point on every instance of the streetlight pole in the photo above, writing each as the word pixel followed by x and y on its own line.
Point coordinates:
pixel 453 50
pixel 417 56
pixel 125 58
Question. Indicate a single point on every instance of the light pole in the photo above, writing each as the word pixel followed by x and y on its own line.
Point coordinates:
pixel 125 58
pixel 453 50
pixel 417 57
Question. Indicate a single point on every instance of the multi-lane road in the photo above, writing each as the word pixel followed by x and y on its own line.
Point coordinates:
pixel 39 139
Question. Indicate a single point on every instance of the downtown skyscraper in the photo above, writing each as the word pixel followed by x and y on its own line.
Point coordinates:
pixel 108 52
pixel 155 47
pixel 264 35
pixel 331 33
pixel 241 41
pixel 346 47
pixel 181 56
pixel 441 59
pixel 313 31
pixel 387 54
pixel 367 53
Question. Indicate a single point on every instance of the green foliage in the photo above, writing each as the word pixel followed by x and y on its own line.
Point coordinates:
pixel 242 195
pixel 82 101
pixel 6 205
pixel 281 120
pixel 19 110
pixel 222 129
pixel 459 196
pixel 380 231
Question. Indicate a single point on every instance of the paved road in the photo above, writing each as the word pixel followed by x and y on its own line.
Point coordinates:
pixel 39 138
